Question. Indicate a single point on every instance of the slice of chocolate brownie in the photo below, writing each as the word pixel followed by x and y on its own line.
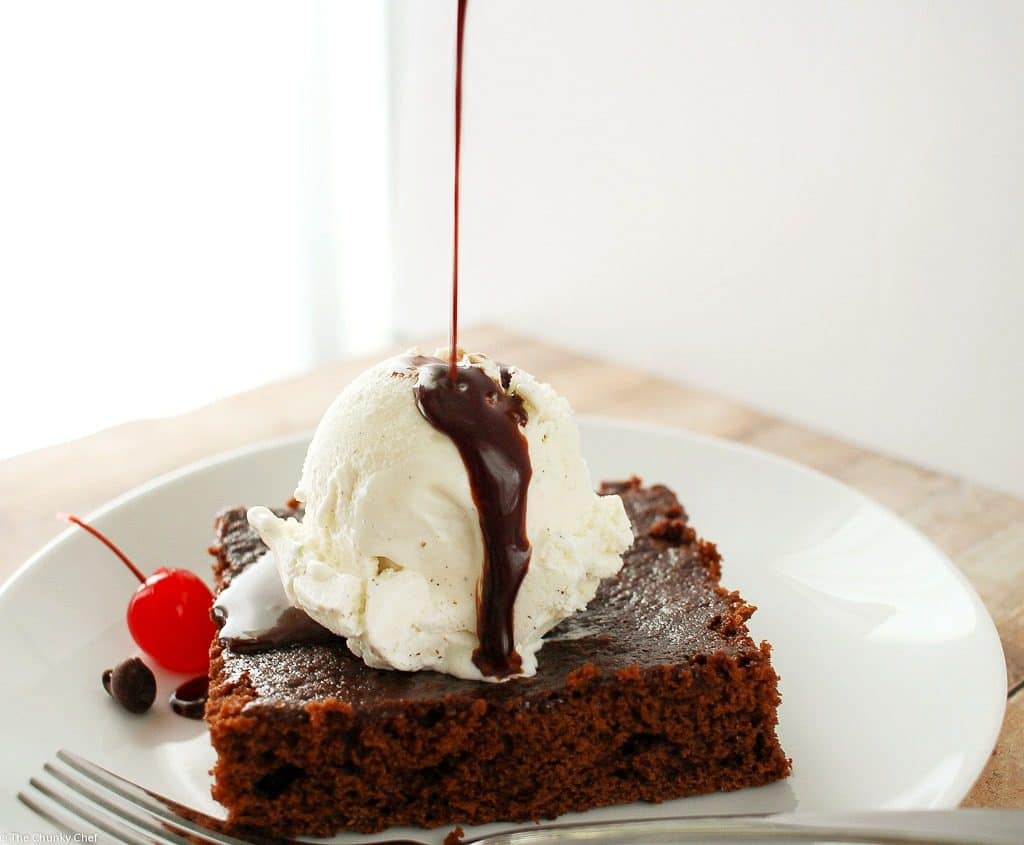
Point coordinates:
pixel 655 691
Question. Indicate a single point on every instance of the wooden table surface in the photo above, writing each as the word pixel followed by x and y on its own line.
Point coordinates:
pixel 981 530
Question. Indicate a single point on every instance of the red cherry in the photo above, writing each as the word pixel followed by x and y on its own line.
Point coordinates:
pixel 169 618
pixel 169 615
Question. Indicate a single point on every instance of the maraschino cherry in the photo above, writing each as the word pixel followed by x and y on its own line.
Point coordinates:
pixel 169 614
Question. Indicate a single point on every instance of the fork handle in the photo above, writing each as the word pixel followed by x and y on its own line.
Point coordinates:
pixel 887 827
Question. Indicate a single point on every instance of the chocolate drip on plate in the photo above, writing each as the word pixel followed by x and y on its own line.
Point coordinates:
pixel 189 700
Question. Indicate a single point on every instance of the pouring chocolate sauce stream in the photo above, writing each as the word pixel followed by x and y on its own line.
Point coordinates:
pixel 485 422
pixel 460 31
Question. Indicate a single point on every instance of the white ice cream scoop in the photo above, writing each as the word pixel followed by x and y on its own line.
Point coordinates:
pixel 390 551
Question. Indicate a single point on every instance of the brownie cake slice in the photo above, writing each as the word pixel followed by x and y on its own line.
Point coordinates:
pixel 655 691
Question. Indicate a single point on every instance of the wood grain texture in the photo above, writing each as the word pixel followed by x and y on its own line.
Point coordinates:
pixel 981 530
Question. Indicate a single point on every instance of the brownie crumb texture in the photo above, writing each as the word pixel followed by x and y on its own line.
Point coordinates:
pixel 655 691
pixel 455 836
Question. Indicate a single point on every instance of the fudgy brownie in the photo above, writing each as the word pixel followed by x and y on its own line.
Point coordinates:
pixel 655 691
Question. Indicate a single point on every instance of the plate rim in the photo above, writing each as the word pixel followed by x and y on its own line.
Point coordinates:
pixel 168 477
pixel 951 797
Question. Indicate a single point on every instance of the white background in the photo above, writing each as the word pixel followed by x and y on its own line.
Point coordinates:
pixel 814 207
pixel 186 209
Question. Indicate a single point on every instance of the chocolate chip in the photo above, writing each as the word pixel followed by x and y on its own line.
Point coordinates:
pixel 131 684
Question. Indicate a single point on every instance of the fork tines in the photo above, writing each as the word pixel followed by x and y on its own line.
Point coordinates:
pixel 77 796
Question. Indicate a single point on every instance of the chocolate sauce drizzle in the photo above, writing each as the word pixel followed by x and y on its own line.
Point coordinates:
pixel 189 700
pixel 460 29
pixel 484 422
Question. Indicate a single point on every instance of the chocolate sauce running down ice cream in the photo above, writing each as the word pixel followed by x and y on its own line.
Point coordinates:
pixel 418 544
pixel 391 552
pixel 484 422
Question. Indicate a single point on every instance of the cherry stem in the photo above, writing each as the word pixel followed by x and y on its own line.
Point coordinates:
pixel 74 520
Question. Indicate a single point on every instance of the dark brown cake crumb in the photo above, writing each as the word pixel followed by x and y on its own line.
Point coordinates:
pixel 655 691
pixel 674 531
pixel 454 836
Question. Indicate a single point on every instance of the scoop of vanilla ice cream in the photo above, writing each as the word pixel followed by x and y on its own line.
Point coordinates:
pixel 390 550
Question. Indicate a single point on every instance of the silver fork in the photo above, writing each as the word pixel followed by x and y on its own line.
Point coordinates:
pixel 76 791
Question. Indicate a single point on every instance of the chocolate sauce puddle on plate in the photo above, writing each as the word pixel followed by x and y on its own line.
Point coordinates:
pixel 189 700
pixel 485 421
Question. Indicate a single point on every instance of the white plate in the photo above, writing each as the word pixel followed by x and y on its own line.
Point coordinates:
pixel 893 680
